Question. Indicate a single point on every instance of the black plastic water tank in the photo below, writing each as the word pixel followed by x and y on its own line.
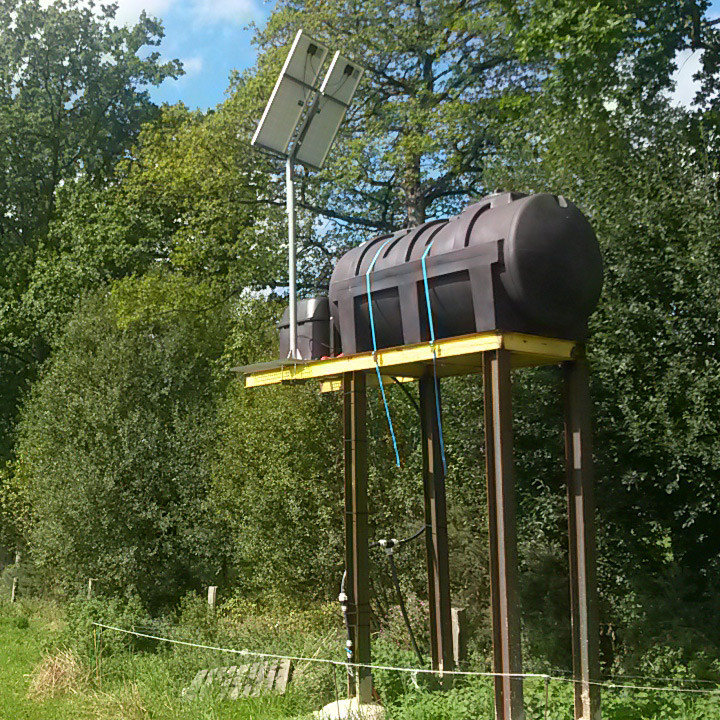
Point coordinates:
pixel 510 262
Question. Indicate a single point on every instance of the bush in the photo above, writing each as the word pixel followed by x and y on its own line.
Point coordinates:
pixel 86 639
pixel 114 442
pixel 30 581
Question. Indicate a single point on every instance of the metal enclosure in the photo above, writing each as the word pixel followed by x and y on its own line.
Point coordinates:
pixel 313 329
pixel 509 262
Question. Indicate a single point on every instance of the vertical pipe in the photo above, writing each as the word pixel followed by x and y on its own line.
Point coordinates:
pixel 436 536
pixel 356 527
pixel 581 529
pixel 507 657
pixel 292 261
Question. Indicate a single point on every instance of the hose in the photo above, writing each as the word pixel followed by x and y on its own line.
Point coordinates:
pixel 403 610
pixel 389 547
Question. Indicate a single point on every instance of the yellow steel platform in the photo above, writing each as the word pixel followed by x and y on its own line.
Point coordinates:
pixel 454 356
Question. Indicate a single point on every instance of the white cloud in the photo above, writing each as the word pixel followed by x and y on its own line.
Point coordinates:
pixel 236 11
pixel 129 10
pixel 687 63
pixel 193 65
pixel 208 12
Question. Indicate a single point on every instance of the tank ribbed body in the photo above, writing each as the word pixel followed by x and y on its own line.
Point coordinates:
pixel 508 262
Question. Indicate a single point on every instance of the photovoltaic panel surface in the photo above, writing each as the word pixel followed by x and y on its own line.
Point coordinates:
pixel 294 89
pixel 328 111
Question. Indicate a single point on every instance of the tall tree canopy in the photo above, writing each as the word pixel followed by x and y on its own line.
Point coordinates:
pixel 72 100
pixel 445 83
pixel 417 135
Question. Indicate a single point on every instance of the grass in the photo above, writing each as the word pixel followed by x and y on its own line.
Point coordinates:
pixel 49 670
pixel 24 636
pixel 41 681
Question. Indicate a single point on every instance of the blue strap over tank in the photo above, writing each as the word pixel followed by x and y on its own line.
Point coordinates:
pixel 431 325
pixel 374 343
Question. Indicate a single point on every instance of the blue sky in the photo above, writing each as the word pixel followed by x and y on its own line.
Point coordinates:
pixel 213 37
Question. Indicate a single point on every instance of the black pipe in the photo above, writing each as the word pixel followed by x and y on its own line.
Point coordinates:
pixel 403 610
pixel 389 546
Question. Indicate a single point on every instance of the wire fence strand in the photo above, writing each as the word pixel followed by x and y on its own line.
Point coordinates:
pixel 415 671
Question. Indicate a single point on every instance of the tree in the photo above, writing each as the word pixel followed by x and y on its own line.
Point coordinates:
pixel 116 442
pixel 71 105
pixel 197 174
pixel 186 198
pixel 417 135
pixel 648 184
pixel 444 82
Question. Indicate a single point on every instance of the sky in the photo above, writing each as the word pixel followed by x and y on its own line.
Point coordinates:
pixel 210 37
pixel 213 37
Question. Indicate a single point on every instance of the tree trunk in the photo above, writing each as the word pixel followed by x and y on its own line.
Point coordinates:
pixel 414 196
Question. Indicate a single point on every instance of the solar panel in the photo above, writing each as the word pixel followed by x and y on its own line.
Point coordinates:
pixel 328 111
pixel 294 89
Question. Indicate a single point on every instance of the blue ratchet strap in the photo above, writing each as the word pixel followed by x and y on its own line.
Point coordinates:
pixel 374 342
pixel 432 346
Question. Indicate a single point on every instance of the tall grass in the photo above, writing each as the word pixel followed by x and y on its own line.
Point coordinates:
pixel 53 666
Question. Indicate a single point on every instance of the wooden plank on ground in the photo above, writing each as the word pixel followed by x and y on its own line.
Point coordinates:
pixel 235 681
pixel 283 676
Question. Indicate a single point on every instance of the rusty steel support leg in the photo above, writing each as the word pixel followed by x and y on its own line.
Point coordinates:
pixel 348 451
pixel 503 535
pixel 356 528
pixel 436 536
pixel 581 526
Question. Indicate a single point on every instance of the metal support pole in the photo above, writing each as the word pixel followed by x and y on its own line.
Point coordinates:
pixel 356 528
pixel 581 527
pixel 507 657
pixel 436 535
pixel 349 450
pixel 292 260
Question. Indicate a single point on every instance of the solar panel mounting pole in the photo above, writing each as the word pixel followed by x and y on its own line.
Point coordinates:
pixel 292 259
pixel 300 123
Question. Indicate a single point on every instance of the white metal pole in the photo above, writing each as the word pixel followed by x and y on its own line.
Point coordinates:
pixel 292 262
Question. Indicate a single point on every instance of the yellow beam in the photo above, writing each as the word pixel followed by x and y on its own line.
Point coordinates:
pixel 454 356
pixel 335 384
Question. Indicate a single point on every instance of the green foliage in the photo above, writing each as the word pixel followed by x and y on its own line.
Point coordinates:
pixel 15 508
pixel 202 197
pixel 130 677
pixel 88 640
pixel 30 582
pixel 278 486
pixel 418 134
pixel 591 50
pixel 140 464
pixel 115 444
pixel 71 105
pixel 651 194
pixel 460 703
